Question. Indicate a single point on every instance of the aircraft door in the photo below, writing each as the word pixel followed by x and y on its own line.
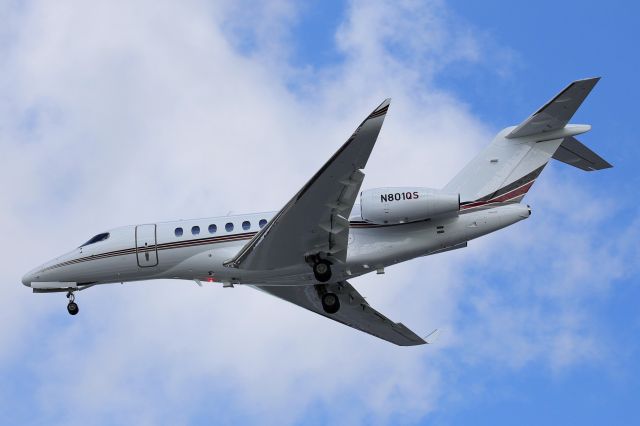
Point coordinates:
pixel 146 246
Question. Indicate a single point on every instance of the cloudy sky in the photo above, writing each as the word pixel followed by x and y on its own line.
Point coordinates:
pixel 123 112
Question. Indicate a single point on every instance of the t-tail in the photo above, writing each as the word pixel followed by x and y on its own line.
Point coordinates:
pixel 506 169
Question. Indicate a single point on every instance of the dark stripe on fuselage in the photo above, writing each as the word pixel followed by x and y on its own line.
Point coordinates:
pixel 516 184
pixel 508 197
pixel 163 246
pixel 356 224
pixel 185 244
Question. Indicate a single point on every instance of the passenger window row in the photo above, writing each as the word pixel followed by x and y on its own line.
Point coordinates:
pixel 213 228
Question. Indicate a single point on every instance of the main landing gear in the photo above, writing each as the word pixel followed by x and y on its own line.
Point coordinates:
pixel 72 307
pixel 330 303
pixel 330 300
pixel 322 270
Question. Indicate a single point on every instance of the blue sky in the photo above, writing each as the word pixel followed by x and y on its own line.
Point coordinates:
pixel 220 104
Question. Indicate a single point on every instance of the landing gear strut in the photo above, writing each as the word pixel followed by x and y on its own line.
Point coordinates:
pixel 72 307
pixel 322 270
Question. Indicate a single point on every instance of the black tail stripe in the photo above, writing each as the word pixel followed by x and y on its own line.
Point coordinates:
pixel 523 180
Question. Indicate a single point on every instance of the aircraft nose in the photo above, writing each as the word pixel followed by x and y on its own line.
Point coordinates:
pixel 26 280
pixel 30 276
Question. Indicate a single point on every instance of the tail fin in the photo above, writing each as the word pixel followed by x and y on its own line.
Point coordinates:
pixel 505 170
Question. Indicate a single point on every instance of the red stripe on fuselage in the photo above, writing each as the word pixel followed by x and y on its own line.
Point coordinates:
pixel 501 199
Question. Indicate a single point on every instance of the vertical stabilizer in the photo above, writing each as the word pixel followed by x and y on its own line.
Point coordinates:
pixel 506 169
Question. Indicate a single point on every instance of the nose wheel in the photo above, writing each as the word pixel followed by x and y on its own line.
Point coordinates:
pixel 72 307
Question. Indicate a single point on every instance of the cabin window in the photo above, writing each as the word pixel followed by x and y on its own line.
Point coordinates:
pixel 262 223
pixel 229 227
pixel 178 232
pixel 96 239
pixel 195 230
pixel 213 228
pixel 246 225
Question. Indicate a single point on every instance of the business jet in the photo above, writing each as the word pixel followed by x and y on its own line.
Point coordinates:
pixel 307 252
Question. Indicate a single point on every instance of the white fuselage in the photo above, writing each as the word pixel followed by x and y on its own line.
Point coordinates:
pixel 154 251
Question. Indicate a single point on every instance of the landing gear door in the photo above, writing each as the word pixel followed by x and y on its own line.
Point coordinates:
pixel 146 246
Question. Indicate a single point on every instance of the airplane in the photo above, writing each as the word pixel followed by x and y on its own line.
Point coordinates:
pixel 307 252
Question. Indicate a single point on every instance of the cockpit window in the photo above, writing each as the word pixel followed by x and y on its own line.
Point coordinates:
pixel 96 239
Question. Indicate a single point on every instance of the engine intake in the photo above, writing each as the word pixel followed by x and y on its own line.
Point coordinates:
pixel 402 205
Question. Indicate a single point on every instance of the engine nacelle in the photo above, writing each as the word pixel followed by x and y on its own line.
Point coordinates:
pixel 402 205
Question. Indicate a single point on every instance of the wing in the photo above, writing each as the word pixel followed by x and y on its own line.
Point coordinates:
pixel 354 310
pixel 558 111
pixel 316 219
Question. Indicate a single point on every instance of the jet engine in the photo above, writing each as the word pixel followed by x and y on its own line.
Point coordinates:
pixel 402 205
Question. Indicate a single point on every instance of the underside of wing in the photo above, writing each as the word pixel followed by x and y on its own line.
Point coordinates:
pixel 353 311
pixel 315 221
pixel 556 113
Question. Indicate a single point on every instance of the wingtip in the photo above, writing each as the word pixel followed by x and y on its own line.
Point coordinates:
pixel 592 80
pixel 381 110
pixel 383 104
pixel 432 337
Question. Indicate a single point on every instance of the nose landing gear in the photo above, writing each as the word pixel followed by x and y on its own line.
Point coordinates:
pixel 72 307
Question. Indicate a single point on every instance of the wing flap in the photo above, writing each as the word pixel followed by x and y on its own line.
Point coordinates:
pixel 556 113
pixel 354 310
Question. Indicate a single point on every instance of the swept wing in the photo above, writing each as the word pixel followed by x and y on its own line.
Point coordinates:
pixel 354 310
pixel 316 219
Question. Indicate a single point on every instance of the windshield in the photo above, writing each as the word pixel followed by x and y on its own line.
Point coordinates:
pixel 97 238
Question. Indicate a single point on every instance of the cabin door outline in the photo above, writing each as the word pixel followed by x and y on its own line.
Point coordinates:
pixel 146 246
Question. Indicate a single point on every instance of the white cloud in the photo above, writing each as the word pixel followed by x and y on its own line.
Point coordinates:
pixel 125 112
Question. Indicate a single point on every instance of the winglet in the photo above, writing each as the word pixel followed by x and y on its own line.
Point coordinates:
pixel 380 110
pixel 432 337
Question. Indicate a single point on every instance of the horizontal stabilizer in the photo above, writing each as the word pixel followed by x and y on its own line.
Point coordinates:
pixel 574 153
pixel 556 113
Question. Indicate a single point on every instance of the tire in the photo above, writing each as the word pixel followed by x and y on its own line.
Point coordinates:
pixel 72 308
pixel 322 271
pixel 330 303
